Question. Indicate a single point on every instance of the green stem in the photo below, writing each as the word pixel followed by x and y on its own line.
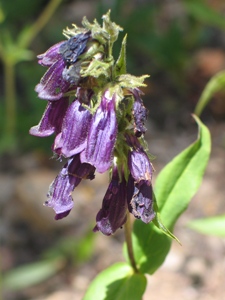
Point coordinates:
pixel 10 98
pixel 40 22
pixel 128 237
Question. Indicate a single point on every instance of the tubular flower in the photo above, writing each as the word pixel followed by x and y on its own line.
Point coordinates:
pixel 98 118
pixel 102 136
pixel 112 215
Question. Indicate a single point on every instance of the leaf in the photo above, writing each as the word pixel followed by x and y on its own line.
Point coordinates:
pixel 204 13
pixel 215 84
pixel 210 226
pixel 175 186
pixel 31 274
pixel 118 282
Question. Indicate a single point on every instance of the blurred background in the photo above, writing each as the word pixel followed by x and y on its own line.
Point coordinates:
pixel 181 44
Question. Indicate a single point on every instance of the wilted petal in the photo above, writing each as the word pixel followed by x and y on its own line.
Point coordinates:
pixel 139 113
pixel 52 85
pixel 112 215
pixel 73 138
pixel 51 55
pixel 140 200
pixel 75 46
pixel 59 193
pixel 139 165
pixel 52 118
pixel 102 136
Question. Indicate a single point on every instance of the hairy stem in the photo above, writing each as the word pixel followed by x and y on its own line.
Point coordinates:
pixel 128 237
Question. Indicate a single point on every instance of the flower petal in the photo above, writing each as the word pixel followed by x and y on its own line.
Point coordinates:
pixel 140 166
pixel 52 86
pixel 51 55
pixel 140 200
pixel 73 138
pixel 112 215
pixel 52 118
pixel 102 136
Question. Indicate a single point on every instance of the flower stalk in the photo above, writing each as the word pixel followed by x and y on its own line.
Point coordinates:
pixel 128 237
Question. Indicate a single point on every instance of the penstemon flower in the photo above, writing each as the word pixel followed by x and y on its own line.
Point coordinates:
pixel 96 112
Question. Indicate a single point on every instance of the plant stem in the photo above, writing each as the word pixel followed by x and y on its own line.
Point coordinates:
pixel 40 22
pixel 128 237
pixel 10 98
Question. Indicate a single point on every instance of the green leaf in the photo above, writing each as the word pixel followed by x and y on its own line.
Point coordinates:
pixel 215 84
pixel 175 186
pixel 204 13
pixel 210 226
pixel 118 282
pixel 31 274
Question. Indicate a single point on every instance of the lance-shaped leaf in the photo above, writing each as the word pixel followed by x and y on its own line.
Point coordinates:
pixel 117 282
pixel 52 119
pixel 174 188
pixel 101 136
pixel 73 136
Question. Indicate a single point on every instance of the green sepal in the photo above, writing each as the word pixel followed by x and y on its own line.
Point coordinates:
pixel 112 28
pixel 96 68
pixel 130 81
pixel 120 67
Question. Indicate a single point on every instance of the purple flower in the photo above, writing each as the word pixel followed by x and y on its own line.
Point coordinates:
pixel 140 200
pixel 52 118
pixel 102 136
pixel 73 138
pixel 139 165
pixel 139 113
pixel 112 215
pixel 64 68
pixel 60 190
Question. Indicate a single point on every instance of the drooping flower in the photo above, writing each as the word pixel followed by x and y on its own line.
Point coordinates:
pixel 139 113
pixel 64 70
pixel 140 200
pixel 102 135
pixel 60 190
pixel 73 137
pixel 51 121
pixel 112 215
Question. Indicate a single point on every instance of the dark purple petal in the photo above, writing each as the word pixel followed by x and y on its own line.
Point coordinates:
pixel 59 193
pixel 51 55
pixel 140 200
pixel 80 170
pixel 139 114
pixel 52 86
pixel 102 136
pixel 52 118
pixel 140 166
pixel 112 215
pixel 75 46
pixel 73 138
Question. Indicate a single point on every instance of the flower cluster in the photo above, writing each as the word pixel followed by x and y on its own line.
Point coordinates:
pixel 98 117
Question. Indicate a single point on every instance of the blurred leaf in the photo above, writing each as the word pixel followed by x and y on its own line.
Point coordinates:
pixel 31 274
pixel 215 84
pixel 175 186
pixel 204 13
pixel 210 226
pixel 118 282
